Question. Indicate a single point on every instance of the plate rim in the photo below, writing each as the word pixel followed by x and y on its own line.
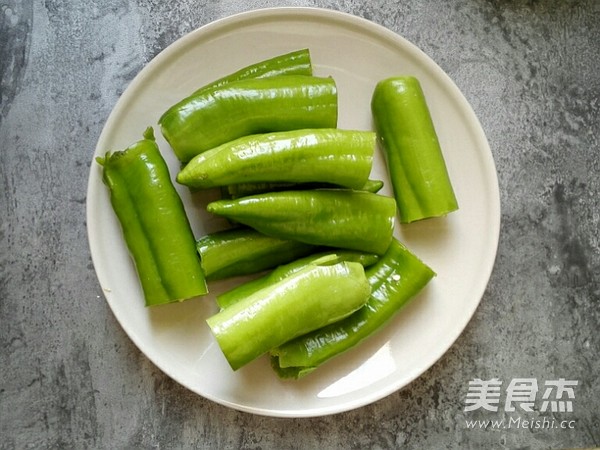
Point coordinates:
pixel 363 25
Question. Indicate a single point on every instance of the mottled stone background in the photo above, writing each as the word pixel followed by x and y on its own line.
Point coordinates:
pixel 69 376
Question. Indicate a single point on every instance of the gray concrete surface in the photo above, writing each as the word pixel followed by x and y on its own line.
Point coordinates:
pixel 70 377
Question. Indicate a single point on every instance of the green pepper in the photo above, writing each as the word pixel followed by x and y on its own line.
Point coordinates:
pixel 154 223
pixel 309 299
pixel 395 279
pixel 243 290
pixel 294 63
pixel 340 157
pixel 341 218
pixel 416 164
pixel 244 189
pixel 373 186
pixel 224 113
pixel 244 251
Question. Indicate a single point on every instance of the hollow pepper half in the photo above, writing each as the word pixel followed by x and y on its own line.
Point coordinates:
pixel 154 223
pixel 340 157
pixel 214 116
pixel 416 164
pixel 341 218
pixel 309 299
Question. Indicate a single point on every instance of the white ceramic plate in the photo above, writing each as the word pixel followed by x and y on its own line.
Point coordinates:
pixel 461 247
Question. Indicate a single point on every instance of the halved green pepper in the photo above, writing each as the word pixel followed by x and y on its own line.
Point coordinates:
pixel 416 164
pixel 293 63
pixel 218 115
pixel 340 157
pixel 309 299
pixel 154 223
pixel 243 290
pixel 341 218
pixel 244 251
pixel 395 279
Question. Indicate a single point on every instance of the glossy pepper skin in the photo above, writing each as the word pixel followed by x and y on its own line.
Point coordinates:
pixel 395 279
pixel 252 106
pixel 416 164
pixel 340 157
pixel 154 223
pixel 309 299
pixel 244 251
pixel 297 62
pixel 341 218
pixel 242 291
